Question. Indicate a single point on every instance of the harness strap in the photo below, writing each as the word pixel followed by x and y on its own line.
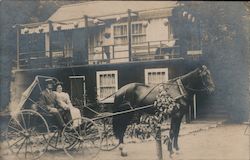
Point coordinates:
pixel 181 88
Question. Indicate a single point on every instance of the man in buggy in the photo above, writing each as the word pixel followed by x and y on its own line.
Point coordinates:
pixel 48 100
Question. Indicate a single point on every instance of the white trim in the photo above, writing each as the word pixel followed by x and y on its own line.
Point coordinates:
pixel 152 70
pixel 98 74
pixel 83 77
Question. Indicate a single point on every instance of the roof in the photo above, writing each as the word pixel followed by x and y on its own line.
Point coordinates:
pixel 105 8
pixel 72 16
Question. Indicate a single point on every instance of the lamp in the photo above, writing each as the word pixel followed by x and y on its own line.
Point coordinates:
pixel 118 18
pixel 58 27
pixel 145 24
pixel 76 24
pixel 40 29
pixel 184 14
pixel 193 19
pixel 95 21
pixel 26 30
pixel 165 21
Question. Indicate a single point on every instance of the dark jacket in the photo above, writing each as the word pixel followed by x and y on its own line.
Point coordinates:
pixel 48 100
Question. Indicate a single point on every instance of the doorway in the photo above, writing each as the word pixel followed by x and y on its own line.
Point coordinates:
pixel 78 90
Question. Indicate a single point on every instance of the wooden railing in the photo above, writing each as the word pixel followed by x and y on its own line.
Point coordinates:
pixel 151 50
pixel 44 59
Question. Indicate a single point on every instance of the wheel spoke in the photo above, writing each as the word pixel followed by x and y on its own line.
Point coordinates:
pixel 16 142
pixel 25 149
pixel 18 123
pixel 16 129
pixel 33 142
pixel 28 125
pixel 31 149
pixel 25 127
pixel 73 136
pixel 21 146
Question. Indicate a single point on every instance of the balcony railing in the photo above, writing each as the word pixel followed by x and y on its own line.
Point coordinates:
pixel 152 50
pixel 45 59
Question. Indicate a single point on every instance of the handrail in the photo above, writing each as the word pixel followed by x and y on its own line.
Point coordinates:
pixel 140 51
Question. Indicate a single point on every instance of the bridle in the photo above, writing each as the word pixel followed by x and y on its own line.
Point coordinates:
pixel 205 87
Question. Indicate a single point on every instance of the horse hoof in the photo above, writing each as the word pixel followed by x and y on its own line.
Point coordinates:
pixel 171 153
pixel 124 154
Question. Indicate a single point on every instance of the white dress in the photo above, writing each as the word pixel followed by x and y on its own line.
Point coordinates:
pixel 64 101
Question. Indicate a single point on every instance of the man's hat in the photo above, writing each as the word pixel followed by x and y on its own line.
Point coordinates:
pixel 49 81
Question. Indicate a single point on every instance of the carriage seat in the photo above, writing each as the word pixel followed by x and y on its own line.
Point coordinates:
pixel 49 117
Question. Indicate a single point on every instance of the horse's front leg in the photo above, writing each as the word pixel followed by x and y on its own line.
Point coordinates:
pixel 177 130
pixel 176 135
pixel 122 147
pixel 171 137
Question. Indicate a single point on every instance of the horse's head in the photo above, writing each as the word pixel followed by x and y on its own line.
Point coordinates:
pixel 206 79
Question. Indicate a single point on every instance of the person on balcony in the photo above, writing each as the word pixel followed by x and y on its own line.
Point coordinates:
pixel 64 102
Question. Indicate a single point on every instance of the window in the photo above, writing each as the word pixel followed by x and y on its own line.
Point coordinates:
pixel 120 34
pixel 138 33
pixel 156 75
pixel 107 84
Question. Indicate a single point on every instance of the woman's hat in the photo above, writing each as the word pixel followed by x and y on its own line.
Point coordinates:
pixel 59 83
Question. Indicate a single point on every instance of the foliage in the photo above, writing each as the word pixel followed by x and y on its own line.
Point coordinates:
pixel 225 27
pixel 12 13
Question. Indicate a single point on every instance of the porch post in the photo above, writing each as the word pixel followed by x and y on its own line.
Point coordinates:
pixel 48 43
pixel 158 143
pixel 195 107
pixel 17 46
pixel 87 37
pixel 129 35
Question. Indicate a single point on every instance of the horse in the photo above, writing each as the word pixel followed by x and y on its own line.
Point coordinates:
pixel 136 95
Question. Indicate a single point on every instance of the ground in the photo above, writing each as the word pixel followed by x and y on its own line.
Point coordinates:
pixel 198 141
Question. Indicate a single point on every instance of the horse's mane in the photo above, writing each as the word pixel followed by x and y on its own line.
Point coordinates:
pixel 183 76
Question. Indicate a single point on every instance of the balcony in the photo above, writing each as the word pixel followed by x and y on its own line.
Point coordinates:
pixel 146 51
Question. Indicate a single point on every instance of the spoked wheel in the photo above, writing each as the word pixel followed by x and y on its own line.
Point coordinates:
pixel 27 135
pixel 109 141
pixel 56 138
pixel 81 138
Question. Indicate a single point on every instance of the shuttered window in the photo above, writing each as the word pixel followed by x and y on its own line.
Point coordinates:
pixel 156 75
pixel 138 33
pixel 107 84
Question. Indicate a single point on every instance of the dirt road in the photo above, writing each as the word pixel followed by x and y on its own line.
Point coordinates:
pixel 225 142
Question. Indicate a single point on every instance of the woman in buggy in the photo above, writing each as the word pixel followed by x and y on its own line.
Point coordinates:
pixel 64 102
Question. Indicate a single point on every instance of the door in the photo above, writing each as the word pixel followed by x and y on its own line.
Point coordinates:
pixel 78 90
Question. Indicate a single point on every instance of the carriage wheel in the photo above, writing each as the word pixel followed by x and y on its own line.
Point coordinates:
pixel 56 138
pixel 81 138
pixel 109 141
pixel 27 134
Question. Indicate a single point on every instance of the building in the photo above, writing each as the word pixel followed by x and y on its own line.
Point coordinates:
pixel 95 48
